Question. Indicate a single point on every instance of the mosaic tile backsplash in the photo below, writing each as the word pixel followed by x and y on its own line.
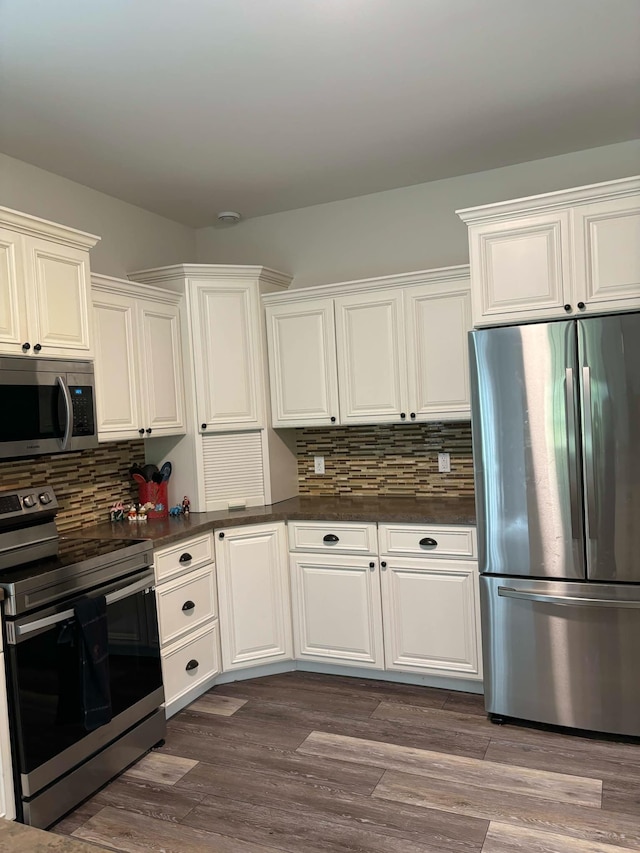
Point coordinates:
pixel 386 460
pixel 86 483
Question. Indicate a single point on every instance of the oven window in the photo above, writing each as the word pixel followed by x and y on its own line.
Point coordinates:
pixel 45 673
pixel 31 413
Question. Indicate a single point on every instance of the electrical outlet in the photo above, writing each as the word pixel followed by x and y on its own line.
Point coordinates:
pixel 444 463
pixel 318 464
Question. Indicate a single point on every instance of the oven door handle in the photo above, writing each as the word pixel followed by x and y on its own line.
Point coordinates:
pixel 146 585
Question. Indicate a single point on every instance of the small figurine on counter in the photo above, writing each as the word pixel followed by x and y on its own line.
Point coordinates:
pixel 142 513
pixel 132 515
pixel 175 510
pixel 116 513
pixel 186 505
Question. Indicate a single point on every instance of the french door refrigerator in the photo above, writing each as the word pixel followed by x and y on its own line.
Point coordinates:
pixel 556 437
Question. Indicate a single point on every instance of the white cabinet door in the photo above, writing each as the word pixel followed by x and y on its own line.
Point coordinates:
pixel 161 368
pixel 607 254
pixel 61 318
pixel 13 316
pixel 227 355
pixel 521 269
pixel 337 609
pixel 116 367
pixel 302 363
pixel 371 357
pixel 437 362
pixel 431 616
pixel 253 592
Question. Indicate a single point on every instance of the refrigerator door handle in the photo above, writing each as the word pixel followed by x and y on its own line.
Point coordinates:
pixel 569 600
pixel 572 438
pixel 589 474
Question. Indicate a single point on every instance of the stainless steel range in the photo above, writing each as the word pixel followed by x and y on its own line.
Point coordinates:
pixel 66 743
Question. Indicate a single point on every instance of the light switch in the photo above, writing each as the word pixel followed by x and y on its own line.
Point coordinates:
pixel 318 464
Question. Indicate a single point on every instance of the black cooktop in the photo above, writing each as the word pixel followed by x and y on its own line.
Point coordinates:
pixel 80 564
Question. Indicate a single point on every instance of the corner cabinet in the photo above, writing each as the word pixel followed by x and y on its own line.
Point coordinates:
pixel 254 596
pixel 138 360
pixel 562 254
pixel 44 288
pixel 384 350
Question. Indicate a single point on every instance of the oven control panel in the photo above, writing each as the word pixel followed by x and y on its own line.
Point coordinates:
pixel 17 504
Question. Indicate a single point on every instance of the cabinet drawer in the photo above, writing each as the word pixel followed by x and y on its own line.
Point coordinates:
pixel 183 556
pixel 408 540
pixel 337 537
pixel 191 661
pixel 186 603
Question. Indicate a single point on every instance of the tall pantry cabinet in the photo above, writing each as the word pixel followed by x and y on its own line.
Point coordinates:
pixel 230 451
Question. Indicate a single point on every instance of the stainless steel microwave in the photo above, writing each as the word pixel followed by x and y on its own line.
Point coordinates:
pixel 46 406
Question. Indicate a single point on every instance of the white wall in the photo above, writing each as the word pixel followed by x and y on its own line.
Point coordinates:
pixel 400 230
pixel 132 238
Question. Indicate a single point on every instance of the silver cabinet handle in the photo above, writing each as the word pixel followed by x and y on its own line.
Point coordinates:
pixel 567 600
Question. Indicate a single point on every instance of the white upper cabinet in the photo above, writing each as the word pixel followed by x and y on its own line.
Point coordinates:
pixel 138 360
pixel 561 254
pixel 371 359
pixel 437 319
pixel 302 363
pixel 226 339
pixel 44 288
pixel 399 350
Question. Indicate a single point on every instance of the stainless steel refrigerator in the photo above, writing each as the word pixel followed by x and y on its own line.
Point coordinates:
pixel 556 437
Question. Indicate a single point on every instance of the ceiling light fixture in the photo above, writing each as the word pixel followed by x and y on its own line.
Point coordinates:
pixel 229 217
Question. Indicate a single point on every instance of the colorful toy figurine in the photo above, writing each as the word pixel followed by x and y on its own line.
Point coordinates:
pixel 186 505
pixel 132 515
pixel 175 510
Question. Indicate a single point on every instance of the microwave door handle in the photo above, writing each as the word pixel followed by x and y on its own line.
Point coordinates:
pixel 66 396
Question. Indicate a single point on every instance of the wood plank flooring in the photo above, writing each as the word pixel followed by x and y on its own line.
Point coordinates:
pixel 307 763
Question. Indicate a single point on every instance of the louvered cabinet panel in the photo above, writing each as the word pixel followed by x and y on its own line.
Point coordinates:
pixel 233 469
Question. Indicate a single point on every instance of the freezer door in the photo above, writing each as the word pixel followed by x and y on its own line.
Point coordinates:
pixel 609 358
pixel 562 653
pixel 525 449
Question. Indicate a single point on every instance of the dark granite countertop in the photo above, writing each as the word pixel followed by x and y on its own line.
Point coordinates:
pixel 164 531
pixel 18 838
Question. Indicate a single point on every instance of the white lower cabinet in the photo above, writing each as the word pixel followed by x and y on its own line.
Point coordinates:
pixel 187 619
pixel 255 602
pixel 337 609
pixel 430 604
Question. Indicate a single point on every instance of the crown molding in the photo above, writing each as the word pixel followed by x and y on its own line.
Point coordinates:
pixel 441 275
pixel 551 201
pixel 200 272
pixel 24 223
pixel 124 287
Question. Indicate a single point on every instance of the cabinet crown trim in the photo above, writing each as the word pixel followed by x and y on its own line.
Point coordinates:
pixel 212 271
pixel 36 227
pixel 442 275
pixel 124 287
pixel 550 201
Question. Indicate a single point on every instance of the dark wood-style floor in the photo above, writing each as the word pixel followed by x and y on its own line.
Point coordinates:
pixel 307 763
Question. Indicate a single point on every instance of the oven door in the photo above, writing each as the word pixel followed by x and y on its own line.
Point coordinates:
pixel 44 680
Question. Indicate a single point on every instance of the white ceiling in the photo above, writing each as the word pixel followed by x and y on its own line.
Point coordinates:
pixel 188 107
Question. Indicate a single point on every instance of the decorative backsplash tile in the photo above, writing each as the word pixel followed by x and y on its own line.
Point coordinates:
pixel 86 483
pixel 386 460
